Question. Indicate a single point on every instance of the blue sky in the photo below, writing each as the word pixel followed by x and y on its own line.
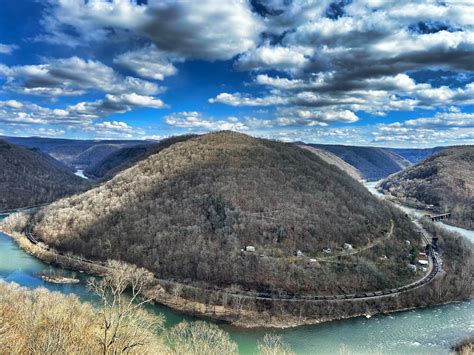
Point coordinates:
pixel 367 72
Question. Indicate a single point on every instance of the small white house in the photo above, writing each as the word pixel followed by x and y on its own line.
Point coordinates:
pixel 407 242
pixel 299 253
pixel 250 248
pixel 423 262
pixel 412 267
pixel 327 251
pixel 347 246
pixel 312 260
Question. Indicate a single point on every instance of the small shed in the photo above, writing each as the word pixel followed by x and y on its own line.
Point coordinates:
pixel 250 248
pixel 327 251
pixel 347 246
pixel 299 253
pixel 423 262
pixel 412 267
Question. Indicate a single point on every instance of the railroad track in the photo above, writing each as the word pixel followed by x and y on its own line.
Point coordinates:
pixel 433 260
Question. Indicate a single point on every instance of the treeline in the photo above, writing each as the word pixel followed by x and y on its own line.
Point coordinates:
pixel 42 322
pixel 186 212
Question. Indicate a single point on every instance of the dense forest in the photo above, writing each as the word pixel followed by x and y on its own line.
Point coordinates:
pixel 125 157
pixel 444 182
pixel 186 212
pixel 73 152
pixel 29 177
pixel 373 163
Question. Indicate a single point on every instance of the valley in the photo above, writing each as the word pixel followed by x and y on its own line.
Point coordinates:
pixel 373 163
pixel 442 183
pixel 73 153
pixel 200 206
pixel 29 177
pixel 438 328
pixel 288 269
pixel 261 177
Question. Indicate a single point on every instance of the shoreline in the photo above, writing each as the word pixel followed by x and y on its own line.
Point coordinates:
pixel 421 208
pixel 241 317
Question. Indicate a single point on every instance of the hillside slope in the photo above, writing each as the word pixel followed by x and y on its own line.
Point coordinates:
pixel 445 182
pixel 94 154
pixel 414 155
pixel 125 157
pixel 333 159
pixel 186 212
pixel 68 151
pixel 372 162
pixel 29 177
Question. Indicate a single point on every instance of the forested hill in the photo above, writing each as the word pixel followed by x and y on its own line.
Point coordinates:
pixel 94 154
pixel 186 212
pixel 73 152
pixel 373 163
pixel 445 181
pixel 29 177
pixel 414 155
pixel 127 156
pixel 333 159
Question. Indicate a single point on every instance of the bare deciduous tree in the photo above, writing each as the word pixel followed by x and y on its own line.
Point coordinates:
pixel 273 344
pixel 125 325
pixel 200 338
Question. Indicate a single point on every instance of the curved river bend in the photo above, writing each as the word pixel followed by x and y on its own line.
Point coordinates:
pixel 430 330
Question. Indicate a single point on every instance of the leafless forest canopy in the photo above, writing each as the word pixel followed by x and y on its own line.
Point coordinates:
pixel 445 181
pixel 42 322
pixel 125 157
pixel 29 177
pixel 186 212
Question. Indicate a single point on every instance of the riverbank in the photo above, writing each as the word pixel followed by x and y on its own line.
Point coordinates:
pixel 239 310
pixel 437 328
pixel 415 205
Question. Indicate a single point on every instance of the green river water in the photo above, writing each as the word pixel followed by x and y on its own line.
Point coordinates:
pixel 423 331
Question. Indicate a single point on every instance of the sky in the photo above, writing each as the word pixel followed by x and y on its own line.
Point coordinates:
pixel 362 72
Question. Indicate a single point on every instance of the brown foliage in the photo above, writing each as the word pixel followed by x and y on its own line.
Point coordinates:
pixel 445 181
pixel 29 177
pixel 186 212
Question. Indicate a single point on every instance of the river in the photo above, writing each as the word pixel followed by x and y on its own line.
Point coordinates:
pixel 431 330
pixel 80 173
pixel 419 213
